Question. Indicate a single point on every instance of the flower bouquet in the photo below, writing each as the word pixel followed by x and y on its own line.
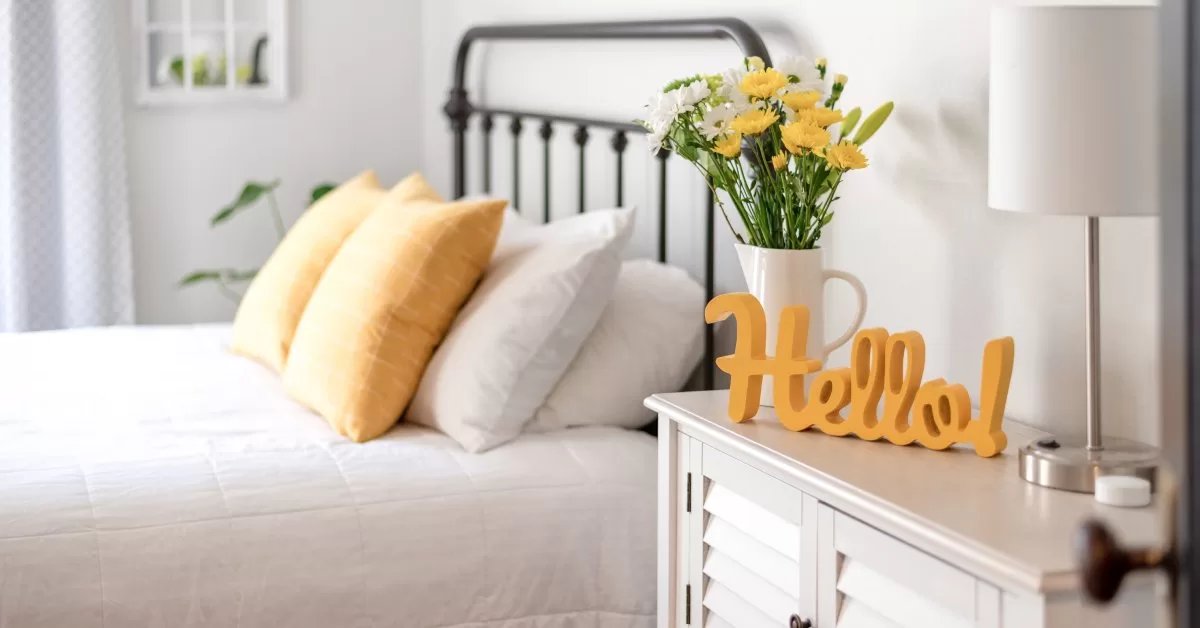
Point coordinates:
pixel 771 138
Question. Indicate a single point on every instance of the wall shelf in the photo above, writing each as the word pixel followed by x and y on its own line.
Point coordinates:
pixel 210 51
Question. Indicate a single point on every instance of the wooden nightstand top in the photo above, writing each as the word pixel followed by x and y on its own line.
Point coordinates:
pixel 971 510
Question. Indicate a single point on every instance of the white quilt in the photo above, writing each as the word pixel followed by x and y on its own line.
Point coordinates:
pixel 149 478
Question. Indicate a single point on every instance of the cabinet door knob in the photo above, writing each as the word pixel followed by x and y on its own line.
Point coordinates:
pixel 1104 563
pixel 796 622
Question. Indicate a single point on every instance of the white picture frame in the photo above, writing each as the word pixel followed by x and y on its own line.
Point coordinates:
pixel 210 33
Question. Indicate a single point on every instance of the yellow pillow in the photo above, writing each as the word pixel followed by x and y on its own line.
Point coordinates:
pixel 271 309
pixel 383 306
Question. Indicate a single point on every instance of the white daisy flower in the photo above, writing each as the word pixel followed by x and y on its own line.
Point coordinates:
pixel 664 108
pixel 654 141
pixel 805 70
pixel 654 106
pixel 730 91
pixel 693 93
pixel 684 99
pixel 659 112
pixel 716 120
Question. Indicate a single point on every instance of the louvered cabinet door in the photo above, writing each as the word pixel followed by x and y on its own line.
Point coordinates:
pixel 752 560
pixel 868 579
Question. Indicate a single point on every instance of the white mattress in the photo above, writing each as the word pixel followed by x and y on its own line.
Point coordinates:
pixel 149 478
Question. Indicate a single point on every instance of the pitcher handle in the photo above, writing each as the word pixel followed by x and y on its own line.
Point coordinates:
pixel 859 290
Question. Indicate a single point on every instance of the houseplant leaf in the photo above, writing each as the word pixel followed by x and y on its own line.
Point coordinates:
pixel 233 275
pixel 176 69
pixel 199 276
pixel 321 190
pixel 251 192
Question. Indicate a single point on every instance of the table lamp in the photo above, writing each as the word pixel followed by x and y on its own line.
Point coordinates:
pixel 1072 130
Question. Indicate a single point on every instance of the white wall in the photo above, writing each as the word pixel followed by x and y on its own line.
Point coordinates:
pixel 355 72
pixel 915 226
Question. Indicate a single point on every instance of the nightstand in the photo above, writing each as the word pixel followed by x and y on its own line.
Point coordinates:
pixel 761 526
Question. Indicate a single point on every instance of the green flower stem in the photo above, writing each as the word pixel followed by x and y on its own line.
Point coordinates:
pixel 767 183
pixel 783 209
pixel 748 218
pixel 724 214
pixel 227 291
pixel 815 233
pixel 722 177
pixel 279 228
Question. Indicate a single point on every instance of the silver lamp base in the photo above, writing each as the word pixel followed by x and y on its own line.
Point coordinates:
pixel 1068 465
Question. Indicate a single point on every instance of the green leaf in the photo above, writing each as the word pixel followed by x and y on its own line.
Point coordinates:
pixel 708 164
pixel 224 275
pixel 321 190
pixel 199 276
pixel 824 182
pixel 249 195
pixel 678 135
pixel 176 70
pixel 687 80
pixel 873 122
pixel 237 276
pixel 851 120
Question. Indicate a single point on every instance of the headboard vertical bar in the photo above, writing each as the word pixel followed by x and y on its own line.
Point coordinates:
pixel 515 129
pixel 619 143
pixel 581 138
pixel 547 131
pixel 486 123
pixel 709 279
pixel 662 156
pixel 458 110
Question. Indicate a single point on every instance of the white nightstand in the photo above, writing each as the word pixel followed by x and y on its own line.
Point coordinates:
pixel 758 523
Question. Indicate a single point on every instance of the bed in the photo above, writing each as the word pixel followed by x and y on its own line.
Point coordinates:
pixel 260 515
pixel 148 477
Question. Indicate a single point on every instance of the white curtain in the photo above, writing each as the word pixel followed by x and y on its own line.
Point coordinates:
pixel 64 214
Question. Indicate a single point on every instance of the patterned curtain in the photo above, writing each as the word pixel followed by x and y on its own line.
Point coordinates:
pixel 64 214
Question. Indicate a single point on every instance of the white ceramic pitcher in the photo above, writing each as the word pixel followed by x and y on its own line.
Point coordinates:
pixel 781 277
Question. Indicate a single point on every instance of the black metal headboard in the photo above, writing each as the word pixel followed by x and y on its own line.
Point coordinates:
pixel 459 110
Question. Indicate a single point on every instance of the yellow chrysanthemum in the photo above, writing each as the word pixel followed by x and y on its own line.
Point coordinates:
pixel 780 161
pixel 797 101
pixel 820 116
pixel 730 146
pixel 845 155
pixel 755 63
pixel 763 83
pixel 801 135
pixel 754 121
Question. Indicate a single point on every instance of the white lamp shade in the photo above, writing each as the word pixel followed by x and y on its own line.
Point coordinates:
pixel 1073 110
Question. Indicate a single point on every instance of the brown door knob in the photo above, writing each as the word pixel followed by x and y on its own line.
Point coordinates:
pixel 1104 563
pixel 796 622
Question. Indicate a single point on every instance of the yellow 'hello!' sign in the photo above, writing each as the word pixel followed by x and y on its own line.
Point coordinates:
pixel 882 366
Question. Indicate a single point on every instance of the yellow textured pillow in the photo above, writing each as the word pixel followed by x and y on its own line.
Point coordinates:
pixel 271 309
pixel 383 306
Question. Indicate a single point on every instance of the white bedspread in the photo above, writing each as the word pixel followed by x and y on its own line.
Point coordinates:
pixel 149 478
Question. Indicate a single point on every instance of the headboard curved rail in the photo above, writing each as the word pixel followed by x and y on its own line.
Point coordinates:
pixel 459 109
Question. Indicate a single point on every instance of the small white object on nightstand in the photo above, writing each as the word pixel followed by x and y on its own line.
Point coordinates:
pixel 1123 490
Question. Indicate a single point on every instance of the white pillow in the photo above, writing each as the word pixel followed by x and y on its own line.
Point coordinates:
pixel 538 301
pixel 649 340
